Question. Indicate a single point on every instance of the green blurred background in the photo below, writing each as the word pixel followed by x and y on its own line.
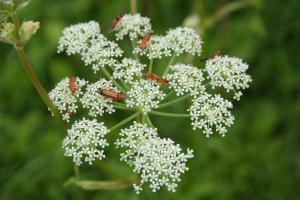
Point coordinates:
pixel 258 159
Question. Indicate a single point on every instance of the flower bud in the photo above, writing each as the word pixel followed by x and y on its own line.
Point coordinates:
pixel 27 30
pixel 7 34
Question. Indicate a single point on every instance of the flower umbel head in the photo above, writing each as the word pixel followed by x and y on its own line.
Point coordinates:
pixel 211 114
pixel 86 141
pixel 185 79
pixel 229 73
pixel 75 38
pixel 157 47
pixel 101 53
pixel 129 70
pixel 95 49
pixel 185 40
pixel 160 162
pixel 135 26
pixel 134 84
pixel 64 99
pixel 145 95
pixel 96 103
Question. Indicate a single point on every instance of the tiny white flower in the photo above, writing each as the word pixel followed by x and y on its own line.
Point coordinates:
pixel 160 162
pixel 185 40
pixel 135 26
pixel 229 73
pixel 86 141
pixel 75 38
pixel 95 49
pixel 145 95
pixel 128 70
pixel 157 47
pixel 63 99
pixel 101 53
pixel 96 103
pixel 211 114
pixel 185 79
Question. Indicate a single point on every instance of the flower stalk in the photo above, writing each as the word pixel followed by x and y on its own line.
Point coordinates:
pixel 164 114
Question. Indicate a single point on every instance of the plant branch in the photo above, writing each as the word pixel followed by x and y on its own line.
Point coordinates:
pixel 111 172
pixel 169 65
pixel 150 66
pixel 107 74
pixel 121 106
pixel 36 83
pixel 99 185
pixel 133 6
pixel 173 101
pixel 175 115
pixel 115 127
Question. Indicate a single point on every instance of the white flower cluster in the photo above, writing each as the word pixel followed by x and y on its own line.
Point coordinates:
pixel 96 103
pixel 144 94
pixel 135 26
pixel 128 70
pixel 211 113
pixel 64 100
pixel 229 73
pixel 159 162
pixel 85 39
pixel 177 41
pixel 101 53
pixel 185 40
pixel 76 38
pixel 86 141
pixel 185 79
pixel 157 47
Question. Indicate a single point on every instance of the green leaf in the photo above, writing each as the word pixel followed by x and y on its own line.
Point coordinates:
pixel 20 4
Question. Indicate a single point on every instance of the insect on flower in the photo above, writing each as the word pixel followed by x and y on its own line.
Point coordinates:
pixel 70 114
pixel 115 23
pixel 217 53
pixel 72 84
pixel 154 76
pixel 117 96
pixel 145 41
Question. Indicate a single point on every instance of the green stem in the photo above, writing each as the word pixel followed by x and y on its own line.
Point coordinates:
pixel 224 12
pixel 77 172
pixel 169 94
pixel 175 115
pixel 115 127
pixel 148 120
pixel 32 76
pixel 133 6
pixel 107 74
pixel 111 172
pixel 133 44
pixel 16 22
pixel 143 117
pixel 37 84
pixel 169 65
pixel 173 101
pixel 99 185
pixel 121 107
pixel 150 66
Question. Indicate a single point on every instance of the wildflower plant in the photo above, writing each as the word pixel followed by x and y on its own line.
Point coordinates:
pixel 126 83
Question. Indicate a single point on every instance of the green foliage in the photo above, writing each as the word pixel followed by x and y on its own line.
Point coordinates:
pixel 259 157
pixel 8 7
